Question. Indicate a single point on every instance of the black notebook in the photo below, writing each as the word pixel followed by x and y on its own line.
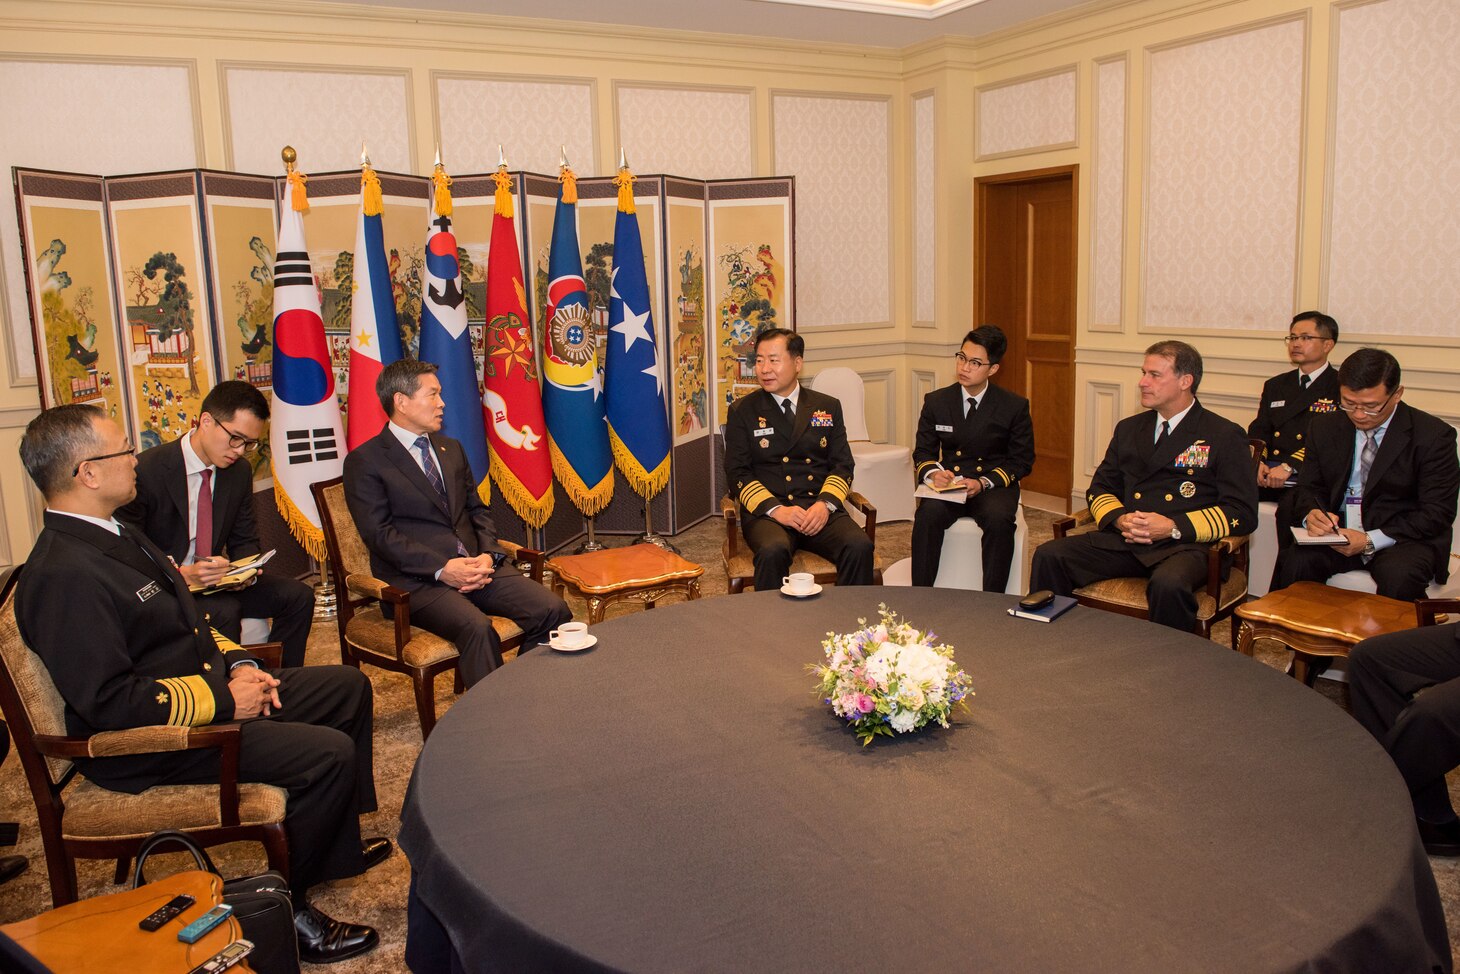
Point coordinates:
pixel 1051 612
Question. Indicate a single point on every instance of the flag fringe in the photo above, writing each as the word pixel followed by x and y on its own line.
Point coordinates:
pixel 484 491
pixel 589 500
pixel 570 185
pixel 298 195
pixel 372 198
pixel 534 510
pixel 646 483
pixel 625 183
pixel 442 199
pixel 502 201
pixel 310 538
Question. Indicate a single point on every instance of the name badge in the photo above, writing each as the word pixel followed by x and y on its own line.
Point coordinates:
pixel 764 431
pixel 1353 512
pixel 944 429
pixel 1276 403
pixel 147 591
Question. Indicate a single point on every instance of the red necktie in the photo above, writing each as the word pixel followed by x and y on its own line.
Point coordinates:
pixel 204 547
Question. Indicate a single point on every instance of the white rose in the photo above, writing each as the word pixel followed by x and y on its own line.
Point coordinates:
pixel 904 720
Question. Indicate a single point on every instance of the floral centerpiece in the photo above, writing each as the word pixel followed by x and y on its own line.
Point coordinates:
pixel 890 678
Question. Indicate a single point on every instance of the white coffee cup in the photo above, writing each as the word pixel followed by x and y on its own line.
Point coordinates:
pixel 800 583
pixel 570 634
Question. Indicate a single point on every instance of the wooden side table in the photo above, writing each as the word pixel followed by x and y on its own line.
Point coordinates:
pixel 1316 620
pixel 638 573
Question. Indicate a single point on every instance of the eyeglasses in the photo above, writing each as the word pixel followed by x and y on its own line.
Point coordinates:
pixel 235 441
pixel 1367 410
pixel 977 363
pixel 1289 339
pixel 76 470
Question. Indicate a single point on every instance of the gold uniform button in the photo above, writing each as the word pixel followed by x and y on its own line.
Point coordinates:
pixel 808 459
pixel 1168 497
pixel 1137 495
pixel 1191 473
pixel 208 667
pixel 195 630
pixel 788 478
pixel 1277 432
pixel 978 469
pixel 955 468
pixel 808 476
pixel 1300 436
pixel 785 459
pixel 958 453
pixel 1276 453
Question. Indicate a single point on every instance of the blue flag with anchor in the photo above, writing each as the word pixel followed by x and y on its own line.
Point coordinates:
pixel 638 419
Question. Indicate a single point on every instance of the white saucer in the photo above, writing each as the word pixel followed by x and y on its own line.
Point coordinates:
pixel 592 641
pixel 815 590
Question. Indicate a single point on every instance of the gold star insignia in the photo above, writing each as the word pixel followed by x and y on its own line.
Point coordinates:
pixel 162 697
pixel 1235 522
pixel 363 338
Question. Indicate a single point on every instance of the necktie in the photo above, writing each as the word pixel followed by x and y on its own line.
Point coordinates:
pixel 972 407
pixel 1303 382
pixel 1366 458
pixel 428 464
pixel 203 548
pixel 790 410
pixel 1161 436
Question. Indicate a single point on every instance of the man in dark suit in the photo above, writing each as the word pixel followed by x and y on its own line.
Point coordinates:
pixel 1382 474
pixel 1175 478
pixel 197 480
pixel 1404 687
pixel 1290 400
pixel 789 463
pixel 127 646
pixel 978 433
pixel 415 503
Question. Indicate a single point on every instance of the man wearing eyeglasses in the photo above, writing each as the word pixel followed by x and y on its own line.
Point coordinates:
pixel 979 435
pixel 195 501
pixel 1383 476
pixel 1291 400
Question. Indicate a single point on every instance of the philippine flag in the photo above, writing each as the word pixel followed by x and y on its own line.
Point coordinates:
pixel 374 334
pixel 304 434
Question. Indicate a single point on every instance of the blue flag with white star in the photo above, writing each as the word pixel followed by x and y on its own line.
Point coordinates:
pixel 634 377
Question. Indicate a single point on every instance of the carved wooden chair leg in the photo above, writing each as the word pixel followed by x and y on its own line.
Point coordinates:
pixel 425 703
pixel 124 866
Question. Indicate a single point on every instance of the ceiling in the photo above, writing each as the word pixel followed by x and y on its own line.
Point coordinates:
pixel 881 23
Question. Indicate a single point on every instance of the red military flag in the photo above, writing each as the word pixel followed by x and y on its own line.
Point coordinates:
pixel 512 404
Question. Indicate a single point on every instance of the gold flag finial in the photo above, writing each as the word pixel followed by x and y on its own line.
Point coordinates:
pixel 562 157
pixel 289 156
pixel 501 157
pixel 437 163
pixel 623 158
pixel 364 156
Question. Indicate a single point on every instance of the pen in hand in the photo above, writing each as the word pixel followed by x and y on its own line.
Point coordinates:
pixel 1322 522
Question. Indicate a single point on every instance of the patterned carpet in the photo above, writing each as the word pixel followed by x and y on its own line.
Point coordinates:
pixel 379 897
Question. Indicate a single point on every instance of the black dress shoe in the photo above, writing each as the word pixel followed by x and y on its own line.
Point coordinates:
pixel 324 940
pixel 375 851
pixel 12 866
pixel 1442 839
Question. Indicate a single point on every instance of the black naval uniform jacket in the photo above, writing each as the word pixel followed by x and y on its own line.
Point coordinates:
pixel 1285 412
pixel 1201 477
pixel 122 639
pixel 996 442
pixel 768 463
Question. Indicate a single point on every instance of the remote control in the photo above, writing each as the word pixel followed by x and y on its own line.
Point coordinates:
pixel 194 931
pixel 225 958
pixel 156 920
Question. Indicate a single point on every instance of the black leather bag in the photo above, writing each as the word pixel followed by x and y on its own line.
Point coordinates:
pixel 261 905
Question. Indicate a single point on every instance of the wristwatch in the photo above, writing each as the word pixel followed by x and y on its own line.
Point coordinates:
pixel 1368 545
pixel 987 483
pixel 1175 533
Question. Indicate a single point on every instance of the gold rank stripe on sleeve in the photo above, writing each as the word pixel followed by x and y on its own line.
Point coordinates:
pixel 836 487
pixel 923 467
pixel 1298 454
pixel 226 645
pixel 191 700
pixel 753 494
pixel 1209 524
pixel 1007 480
pixel 1104 504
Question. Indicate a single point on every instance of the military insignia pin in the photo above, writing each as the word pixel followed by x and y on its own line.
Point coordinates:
pixel 760 420
pixel 823 442
pixel 765 444
pixel 821 418
pixel 1323 406
pixel 1188 489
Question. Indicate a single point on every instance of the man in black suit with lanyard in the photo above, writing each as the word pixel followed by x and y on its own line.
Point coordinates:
pixel 415 503
pixel 978 433
pixel 1290 401
pixel 195 501
pixel 1382 474
pixel 788 462
pixel 1175 478
pixel 126 646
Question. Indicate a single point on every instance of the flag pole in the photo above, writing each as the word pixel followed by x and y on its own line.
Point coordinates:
pixel 649 537
pixel 592 544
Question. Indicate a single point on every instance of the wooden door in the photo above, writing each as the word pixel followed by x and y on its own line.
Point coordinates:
pixel 1024 282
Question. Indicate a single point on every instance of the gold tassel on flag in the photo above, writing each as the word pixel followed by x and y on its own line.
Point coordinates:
pixel 372 197
pixel 298 197
pixel 443 190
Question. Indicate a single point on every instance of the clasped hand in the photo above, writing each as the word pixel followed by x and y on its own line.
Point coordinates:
pixel 1144 527
pixel 468 574
pixel 1274 476
pixel 807 520
pixel 255 693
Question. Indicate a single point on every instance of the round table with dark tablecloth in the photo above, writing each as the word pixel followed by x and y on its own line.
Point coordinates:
pixel 1120 797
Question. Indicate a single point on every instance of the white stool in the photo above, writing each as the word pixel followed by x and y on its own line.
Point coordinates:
pixel 255 631
pixel 961 565
pixel 1262 549
pixel 898 573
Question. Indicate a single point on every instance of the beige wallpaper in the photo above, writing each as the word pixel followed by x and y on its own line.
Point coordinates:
pixel 687 131
pixel 1027 115
pixel 533 122
pixel 1108 219
pixel 1222 180
pixel 837 148
pixel 82 117
pixel 324 114
pixel 1394 242
pixel 925 255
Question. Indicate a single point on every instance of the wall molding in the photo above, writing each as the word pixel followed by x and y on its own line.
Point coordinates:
pixel 980 156
pixel 1123 59
pixel 1104 407
pixel 435 76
